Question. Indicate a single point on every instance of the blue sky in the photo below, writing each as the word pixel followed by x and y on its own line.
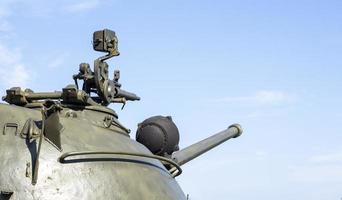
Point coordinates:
pixel 273 66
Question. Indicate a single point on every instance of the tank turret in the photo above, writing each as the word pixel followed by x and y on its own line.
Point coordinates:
pixel 69 144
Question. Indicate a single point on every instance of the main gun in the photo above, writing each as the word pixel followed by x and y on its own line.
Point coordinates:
pixel 187 154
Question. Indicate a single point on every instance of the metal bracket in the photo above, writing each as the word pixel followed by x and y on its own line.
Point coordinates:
pixel 12 125
pixel 31 130
pixel 108 121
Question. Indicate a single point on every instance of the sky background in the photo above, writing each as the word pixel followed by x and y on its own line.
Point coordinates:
pixel 275 67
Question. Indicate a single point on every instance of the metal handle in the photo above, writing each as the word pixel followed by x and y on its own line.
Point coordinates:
pixel 62 158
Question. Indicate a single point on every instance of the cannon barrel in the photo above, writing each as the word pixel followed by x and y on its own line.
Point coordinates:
pixel 185 155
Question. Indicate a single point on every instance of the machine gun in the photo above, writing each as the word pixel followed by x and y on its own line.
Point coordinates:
pixel 94 82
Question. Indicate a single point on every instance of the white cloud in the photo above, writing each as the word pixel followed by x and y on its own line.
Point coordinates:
pixel 272 97
pixel 322 168
pixel 57 61
pixel 262 114
pixel 18 76
pixel 82 6
pixel 12 70
pixel 316 174
pixel 262 97
pixel 327 158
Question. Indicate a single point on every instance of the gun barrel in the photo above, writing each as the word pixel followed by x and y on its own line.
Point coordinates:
pixel 185 155
pixel 127 95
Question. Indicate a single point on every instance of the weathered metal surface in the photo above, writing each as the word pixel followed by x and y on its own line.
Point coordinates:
pixel 120 177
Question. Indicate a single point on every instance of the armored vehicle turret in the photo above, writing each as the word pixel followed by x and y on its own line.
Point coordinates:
pixel 69 145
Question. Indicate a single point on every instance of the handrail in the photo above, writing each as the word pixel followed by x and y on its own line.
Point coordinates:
pixel 62 158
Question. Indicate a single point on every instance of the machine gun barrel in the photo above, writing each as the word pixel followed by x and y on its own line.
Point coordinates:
pixel 185 155
pixel 127 95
